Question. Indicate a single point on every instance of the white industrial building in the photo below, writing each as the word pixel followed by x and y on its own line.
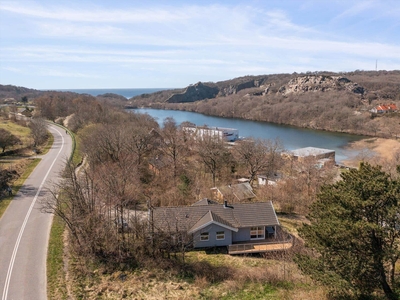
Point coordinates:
pixel 227 134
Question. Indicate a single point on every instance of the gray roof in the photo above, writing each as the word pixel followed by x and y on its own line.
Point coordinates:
pixel 310 151
pixel 205 201
pixel 195 217
pixel 240 191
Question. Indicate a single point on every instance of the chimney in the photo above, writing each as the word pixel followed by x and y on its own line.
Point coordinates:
pixel 225 203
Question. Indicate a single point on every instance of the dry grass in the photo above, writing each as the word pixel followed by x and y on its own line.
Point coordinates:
pixel 380 148
pixel 21 131
pixel 21 162
pixel 204 276
pixel 24 168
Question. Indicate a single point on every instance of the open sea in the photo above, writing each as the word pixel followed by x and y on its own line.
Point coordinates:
pixel 127 93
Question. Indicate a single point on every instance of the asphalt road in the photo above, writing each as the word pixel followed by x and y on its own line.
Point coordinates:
pixel 24 229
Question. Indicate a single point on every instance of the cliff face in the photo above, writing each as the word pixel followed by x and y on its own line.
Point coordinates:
pixel 193 93
pixel 200 91
pixel 320 83
pixel 235 88
pixel 297 85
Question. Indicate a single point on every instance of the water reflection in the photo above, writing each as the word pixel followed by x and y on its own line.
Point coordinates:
pixel 290 136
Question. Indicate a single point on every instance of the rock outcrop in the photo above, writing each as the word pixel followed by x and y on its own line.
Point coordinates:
pixel 235 88
pixel 196 92
pixel 314 83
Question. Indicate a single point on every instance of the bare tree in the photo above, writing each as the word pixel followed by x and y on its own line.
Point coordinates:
pixel 174 145
pixel 38 130
pixel 104 142
pixel 92 205
pixel 7 139
pixel 213 153
pixel 258 155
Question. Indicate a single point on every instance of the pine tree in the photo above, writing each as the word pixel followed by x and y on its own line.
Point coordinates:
pixel 354 233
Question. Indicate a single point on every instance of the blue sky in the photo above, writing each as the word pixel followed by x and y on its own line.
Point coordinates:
pixel 168 44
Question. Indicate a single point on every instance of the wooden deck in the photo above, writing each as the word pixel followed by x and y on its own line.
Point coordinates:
pixel 281 243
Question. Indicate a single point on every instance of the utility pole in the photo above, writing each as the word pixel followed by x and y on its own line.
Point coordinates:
pixel 376 65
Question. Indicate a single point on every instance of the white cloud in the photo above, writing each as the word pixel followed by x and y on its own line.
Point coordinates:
pixel 12 69
pixel 190 40
pixel 91 13
pixel 356 9
pixel 278 20
pixel 61 73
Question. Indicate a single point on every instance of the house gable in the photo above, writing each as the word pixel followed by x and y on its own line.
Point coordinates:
pixel 211 218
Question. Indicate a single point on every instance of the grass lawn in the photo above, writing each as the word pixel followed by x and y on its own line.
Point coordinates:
pixel 56 285
pixel 77 156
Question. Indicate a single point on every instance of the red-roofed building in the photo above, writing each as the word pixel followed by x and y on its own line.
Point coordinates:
pixel 384 108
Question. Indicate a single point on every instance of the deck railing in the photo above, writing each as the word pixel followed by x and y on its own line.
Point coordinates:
pixel 266 246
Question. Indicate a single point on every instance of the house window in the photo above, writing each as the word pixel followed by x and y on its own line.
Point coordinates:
pixel 204 236
pixel 257 232
pixel 220 235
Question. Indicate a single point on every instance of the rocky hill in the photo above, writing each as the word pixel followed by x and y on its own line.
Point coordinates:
pixel 282 84
pixel 201 91
pixel 320 83
pixel 198 91
pixel 230 87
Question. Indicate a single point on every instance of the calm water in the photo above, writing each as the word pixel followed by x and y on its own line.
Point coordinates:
pixel 291 137
pixel 127 93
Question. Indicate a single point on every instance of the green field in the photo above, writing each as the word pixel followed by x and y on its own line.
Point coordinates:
pixel 21 131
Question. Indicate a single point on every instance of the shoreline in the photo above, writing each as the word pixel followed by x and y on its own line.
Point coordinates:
pixel 373 147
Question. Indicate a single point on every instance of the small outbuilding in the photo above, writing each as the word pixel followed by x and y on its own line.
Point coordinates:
pixel 234 192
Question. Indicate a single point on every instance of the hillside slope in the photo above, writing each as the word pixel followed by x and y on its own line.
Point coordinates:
pixel 327 101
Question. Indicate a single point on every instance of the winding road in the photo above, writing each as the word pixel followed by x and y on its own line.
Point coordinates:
pixel 24 229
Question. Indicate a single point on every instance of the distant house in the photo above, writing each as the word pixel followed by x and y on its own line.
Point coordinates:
pixel 226 134
pixel 263 180
pixel 242 227
pixel 384 108
pixel 157 164
pixel 234 192
pixel 25 112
